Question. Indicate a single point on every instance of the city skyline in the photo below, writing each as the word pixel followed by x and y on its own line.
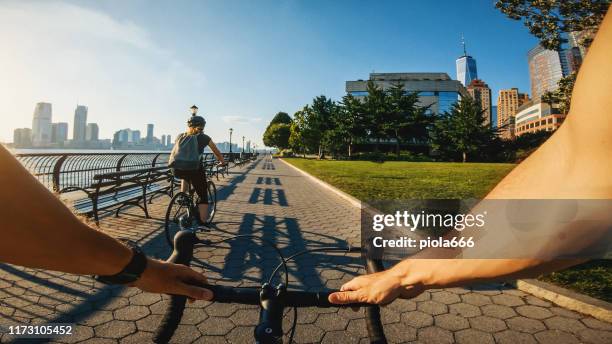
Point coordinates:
pixel 115 58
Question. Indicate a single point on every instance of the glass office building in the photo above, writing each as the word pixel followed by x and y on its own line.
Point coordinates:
pixel 466 70
pixel 436 90
pixel 546 68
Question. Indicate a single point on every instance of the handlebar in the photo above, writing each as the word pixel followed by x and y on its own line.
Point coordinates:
pixel 270 299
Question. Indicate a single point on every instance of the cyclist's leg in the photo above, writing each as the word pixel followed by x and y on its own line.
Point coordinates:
pixel 198 181
pixel 184 185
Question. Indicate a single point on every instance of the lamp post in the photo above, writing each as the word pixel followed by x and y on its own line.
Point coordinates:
pixel 231 130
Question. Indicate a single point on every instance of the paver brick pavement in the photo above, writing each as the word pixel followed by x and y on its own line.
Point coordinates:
pixel 272 201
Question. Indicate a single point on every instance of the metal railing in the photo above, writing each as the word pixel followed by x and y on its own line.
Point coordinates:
pixel 66 171
pixel 63 171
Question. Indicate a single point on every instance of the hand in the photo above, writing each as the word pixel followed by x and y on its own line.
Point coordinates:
pixel 377 288
pixel 168 278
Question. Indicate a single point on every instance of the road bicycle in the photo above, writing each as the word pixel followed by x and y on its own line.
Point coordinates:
pixel 272 300
pixel 183 213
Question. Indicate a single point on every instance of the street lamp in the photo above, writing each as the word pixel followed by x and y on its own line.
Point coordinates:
pixel 194 110
pixel 231 130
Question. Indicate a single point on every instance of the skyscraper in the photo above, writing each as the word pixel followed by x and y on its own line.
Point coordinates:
pixel 79 131
pixel 546 68
pixel 168 140
pixel 59 132
pixel 163 140
pixel 576 39
pixel 149 133
pixel 508 103
pixel 481 92
pixel 92 132
pixel 41 125
pixel 466 67
pixel 135 136
pixel 22 137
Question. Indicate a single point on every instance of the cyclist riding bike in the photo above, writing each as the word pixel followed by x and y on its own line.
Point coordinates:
pixel 185 161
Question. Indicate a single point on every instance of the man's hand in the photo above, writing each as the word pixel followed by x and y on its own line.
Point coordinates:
pixel 168 278
pixel 377 288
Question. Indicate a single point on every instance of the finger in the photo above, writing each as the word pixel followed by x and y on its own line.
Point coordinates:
pixel 344 297
pixel 196 276
pixel 194 292
pixel 354 284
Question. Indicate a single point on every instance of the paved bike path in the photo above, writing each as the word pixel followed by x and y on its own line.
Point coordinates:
pixel 274 202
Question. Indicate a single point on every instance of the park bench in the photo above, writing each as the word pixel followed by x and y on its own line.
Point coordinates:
pixel 116 190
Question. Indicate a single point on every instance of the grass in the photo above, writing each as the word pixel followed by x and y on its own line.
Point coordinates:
pixel 401 180
pixel 593 278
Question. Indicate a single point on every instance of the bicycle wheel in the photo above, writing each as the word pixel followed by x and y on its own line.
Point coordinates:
pixel 212 201
pixel 178 216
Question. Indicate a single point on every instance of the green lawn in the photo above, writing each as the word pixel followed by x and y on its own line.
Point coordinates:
pixel 395 180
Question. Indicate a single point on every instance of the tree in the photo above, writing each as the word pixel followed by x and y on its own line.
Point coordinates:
pixel 318 120
pixel 281 117
pixel 462 132
pixel 277 135
pixel 278 131
pixel 549 20
pixel 406 119
pixel 349 121
pixel 376 112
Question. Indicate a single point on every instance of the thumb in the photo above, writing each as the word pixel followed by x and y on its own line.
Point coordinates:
pixel 194 292
pixel 343 297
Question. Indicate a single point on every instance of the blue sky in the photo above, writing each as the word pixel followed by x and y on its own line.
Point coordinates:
pixel 138 62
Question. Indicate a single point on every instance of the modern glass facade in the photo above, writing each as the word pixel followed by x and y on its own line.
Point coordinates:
pixel 466 69
pixel 436 90
pixel 440 102
pixel 546 68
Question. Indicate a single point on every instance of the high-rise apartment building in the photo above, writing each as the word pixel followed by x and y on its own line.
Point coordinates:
pixel 436 90
pixel 79 130
pixel 466 67
pixel 163 140
pixel 135 136
pixel 481 92
pixel 546 68
pixel 169 140
pixel 150 133
pixel 59 132
pixel 41 125
pixel 92 133
pixel 22 138
pixel 508 103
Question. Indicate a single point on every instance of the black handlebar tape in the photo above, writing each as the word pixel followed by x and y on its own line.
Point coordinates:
pixel 373 322
pixel 315 299
pixel 227 294
pixel 182 254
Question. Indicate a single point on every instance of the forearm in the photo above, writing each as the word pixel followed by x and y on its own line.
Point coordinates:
pixel 39 231
pixel 444 273
pixel 216 152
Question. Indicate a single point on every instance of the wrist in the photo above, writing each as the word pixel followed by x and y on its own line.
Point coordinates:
pixel 130 271
pixel 410 274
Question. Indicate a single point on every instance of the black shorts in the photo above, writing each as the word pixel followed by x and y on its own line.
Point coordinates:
pixel 197 178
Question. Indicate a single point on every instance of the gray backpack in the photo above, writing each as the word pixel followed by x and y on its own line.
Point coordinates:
pixel 185 155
